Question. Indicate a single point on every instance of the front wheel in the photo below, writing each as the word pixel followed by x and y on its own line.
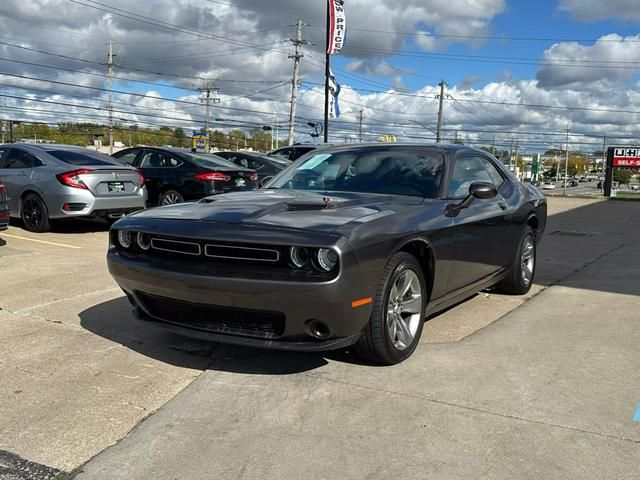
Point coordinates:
pixel 522 271
pixel 396 322
pixel 34 214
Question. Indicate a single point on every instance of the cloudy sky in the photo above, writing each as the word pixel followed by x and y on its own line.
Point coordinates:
pixel 514 69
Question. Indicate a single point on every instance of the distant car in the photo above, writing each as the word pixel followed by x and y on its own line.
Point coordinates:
pixel 356 244
pixel 572 183
pixel 264 165
pixel 548 186
pixel 293 152
pixel 175 175
pixel 45 182
pixel 4 209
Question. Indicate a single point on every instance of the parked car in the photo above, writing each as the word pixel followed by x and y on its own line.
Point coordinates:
pixel 549 186
pixel 355 245
pixel 175 175
pixel 4 209
pixel 572 183
pixel 264 165
pixel 45 182
pixel 293 152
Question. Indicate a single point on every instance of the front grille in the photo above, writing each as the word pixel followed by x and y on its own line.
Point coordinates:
pixel 214 318
pixel 242 253
pixel 176 246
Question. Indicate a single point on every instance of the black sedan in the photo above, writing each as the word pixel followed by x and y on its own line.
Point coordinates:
pixel 175 175
pixel 4 209
pixel 354 245
pixel 264 165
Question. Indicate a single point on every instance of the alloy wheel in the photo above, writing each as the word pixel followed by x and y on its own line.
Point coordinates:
pixel 32 213
pixel 404 309
pixel 171 198
pixel 527 260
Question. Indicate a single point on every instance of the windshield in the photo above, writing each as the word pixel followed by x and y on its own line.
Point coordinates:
pixel 395 171
pixel 211 161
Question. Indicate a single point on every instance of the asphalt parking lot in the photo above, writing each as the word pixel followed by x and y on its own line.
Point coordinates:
pixel 545 386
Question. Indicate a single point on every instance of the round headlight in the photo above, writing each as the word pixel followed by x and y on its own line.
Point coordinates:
pixel 327 259
pixel 144 241
pixel 125 238
pixel 299 256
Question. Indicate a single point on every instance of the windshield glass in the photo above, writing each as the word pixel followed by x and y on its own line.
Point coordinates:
pixel 211 161
pixel 395 171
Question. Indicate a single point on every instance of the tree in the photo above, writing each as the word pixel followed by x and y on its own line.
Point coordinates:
pixel 180 138
pixel 623 177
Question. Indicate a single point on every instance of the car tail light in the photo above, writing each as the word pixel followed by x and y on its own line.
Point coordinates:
pixel 142 180
pixel 213 177
pixel 254 177
pixel 72 179
pixel 2 189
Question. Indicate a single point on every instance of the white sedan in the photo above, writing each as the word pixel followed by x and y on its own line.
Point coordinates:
pixel 549 186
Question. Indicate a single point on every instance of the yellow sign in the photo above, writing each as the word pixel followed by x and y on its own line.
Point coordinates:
pixel 388 138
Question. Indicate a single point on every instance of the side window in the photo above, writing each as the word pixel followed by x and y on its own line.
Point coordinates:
pixel 496 178
pixel 19 159
pixel 128 157
pixel 2 154
pixel 153 159
pixel 467 170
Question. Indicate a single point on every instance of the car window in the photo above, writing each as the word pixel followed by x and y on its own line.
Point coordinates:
pixel 471 169
pixel 285 153
pixel 153 159
pixel 2 152
pixel 127 156
pixel 80 158
pixel 395 171
pixel 19 159
pixel 210 161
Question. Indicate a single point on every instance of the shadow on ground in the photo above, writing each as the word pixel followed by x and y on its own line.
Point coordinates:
pixel 72 226
pixel 573 240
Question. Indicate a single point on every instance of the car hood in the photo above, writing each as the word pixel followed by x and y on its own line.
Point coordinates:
pixel 319 211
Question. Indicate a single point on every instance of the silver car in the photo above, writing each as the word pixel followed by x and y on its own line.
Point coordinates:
pixel 46 182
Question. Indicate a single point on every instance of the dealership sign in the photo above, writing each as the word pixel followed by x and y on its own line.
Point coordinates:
pixel 337 26
pixel 626 157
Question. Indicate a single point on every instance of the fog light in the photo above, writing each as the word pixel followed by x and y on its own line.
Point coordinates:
pixel 125 238
pixel 299 256
pixel 327 259
pixel 144 241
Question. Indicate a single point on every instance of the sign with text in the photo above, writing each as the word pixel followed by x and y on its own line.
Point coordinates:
pixel 626 157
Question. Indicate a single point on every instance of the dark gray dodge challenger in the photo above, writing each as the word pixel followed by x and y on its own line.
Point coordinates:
pixel 349 245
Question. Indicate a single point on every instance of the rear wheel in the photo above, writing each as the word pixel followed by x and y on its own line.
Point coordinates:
pixel 396 322
pixel 522 272
pixel 170 197
pixel 34 214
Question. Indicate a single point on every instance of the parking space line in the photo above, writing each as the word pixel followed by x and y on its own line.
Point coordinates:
pixel 55 244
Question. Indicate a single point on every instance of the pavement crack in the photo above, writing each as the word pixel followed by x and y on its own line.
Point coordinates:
pixel 477 410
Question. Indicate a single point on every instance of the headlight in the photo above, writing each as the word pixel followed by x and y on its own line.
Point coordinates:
pixel 144 241
pixel 125 238
pixel 327 259
pixel 299 256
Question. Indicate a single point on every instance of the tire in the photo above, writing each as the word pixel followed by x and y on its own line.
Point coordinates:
pixel 170 197
pixel 523 269
pixel 379 344
pixel 34 214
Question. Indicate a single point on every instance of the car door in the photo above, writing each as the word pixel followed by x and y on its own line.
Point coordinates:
pixel 16 172
pixel 480 231
pixel 151 164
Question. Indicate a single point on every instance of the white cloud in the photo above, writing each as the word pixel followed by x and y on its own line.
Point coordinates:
pixel 595 10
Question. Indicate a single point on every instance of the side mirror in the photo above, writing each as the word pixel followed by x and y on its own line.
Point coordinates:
pixel 481 190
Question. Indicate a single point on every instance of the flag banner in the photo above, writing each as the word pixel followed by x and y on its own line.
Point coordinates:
pixel 337 26
pixel 334 91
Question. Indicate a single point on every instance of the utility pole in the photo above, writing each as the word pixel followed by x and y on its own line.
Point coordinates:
pixel 110 106
pixel 566 162
pixel 361 117
pixel 604 153
pixel 493 146
pixel 440 112
pixel 209 96
pixel 298 42
pixel 515 160
pixel 327 72
pixel 511 155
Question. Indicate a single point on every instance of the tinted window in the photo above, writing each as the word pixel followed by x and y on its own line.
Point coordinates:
pixel 127 156
pixel 210 161
pixel 396 171
pixel 80 158
pixel 472 169
pixel 286 153
pixel 2 152
pixel 19 159
pixel 153 159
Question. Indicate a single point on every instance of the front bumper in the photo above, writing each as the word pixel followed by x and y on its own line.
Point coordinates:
pixel 301 304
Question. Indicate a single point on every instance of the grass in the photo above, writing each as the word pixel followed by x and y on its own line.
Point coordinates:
pixel 626 196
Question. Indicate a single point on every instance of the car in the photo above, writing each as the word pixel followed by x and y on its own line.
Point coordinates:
pixel 4 209
pixel 176 175
pixel 46 182
pixel 264 165
pixel 548 186
pixel 572 182
pixel 295 151
pixel 354 245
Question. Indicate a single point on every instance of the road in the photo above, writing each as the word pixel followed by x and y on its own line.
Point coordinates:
pixel 500 387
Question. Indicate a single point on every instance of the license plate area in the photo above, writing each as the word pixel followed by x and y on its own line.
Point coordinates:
pixel 240 182
pixel 115 187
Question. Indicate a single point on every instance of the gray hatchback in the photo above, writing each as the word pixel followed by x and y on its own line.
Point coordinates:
pixel 45 182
